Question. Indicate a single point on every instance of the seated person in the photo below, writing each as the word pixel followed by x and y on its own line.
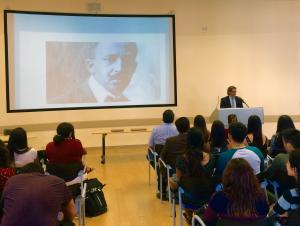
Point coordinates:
pixel 194 164
pixel 276 146
pixel 33 198
pixel 20 153
pixel 217 140
pixel 231 118
pixel 200 123
pixel 6 170
pixel 237 149
pixel 255 137
pixel 162 132
pixel 65 148
pixel 290 200
pixel 277 171
pixel 174 147
pixel 241 199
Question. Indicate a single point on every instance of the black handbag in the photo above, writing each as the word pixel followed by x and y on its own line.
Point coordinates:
pixel 95 203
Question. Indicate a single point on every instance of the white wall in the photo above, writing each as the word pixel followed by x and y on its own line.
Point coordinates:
pixel 254 45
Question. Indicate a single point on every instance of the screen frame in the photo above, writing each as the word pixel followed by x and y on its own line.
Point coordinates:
pixel 8 106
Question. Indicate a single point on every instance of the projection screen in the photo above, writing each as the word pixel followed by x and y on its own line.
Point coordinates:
pixel 78 61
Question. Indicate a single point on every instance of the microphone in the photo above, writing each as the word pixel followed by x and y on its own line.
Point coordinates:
pixel 244 102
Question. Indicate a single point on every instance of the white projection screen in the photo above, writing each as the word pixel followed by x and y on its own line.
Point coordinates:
pixel 60 61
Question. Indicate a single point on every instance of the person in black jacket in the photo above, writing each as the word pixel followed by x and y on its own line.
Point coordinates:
pixel 231 101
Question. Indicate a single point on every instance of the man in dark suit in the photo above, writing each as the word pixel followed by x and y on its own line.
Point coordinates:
pixel 174 147
pixel 231 101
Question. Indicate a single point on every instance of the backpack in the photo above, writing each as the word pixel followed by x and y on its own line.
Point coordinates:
pixel 95 203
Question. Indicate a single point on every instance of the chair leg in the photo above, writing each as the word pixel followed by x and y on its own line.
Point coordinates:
pixel 160 192
pixel 180 209
pixel 149 173
pixel 174 210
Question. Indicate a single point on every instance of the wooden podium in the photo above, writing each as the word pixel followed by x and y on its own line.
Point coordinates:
pixel 242 114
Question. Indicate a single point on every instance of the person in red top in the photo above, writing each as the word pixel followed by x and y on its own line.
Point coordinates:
pixel 6 171
pixel 65 148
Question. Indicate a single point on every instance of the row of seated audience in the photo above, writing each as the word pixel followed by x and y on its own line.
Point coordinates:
pixel 19 204
pixel 236 159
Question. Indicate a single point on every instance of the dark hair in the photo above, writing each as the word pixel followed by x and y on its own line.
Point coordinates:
pixel 218 135
pixel 17 142
pixel 63 130
pixel 229 89
pixel 238 131
pixel 294 159
pixel 199 122
pixel 231 118
pixel 255 128
pixel 32 167
pixel 194 152
pixel 168 116
pixel 242 188
pixel 182 124
pixel 4 157
pixel 291 136
pixel 284 122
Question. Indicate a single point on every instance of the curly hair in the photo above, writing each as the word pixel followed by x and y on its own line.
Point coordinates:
pixel 242 188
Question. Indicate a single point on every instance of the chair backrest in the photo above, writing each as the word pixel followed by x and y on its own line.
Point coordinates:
pixel 67 172
pixel 227 222
pixel 197 190
pixel 196 220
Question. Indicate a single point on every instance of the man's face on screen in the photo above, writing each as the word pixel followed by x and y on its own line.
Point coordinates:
pixel 114 65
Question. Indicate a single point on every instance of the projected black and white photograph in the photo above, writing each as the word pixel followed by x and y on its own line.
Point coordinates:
pixel 89 62
pixel 88 72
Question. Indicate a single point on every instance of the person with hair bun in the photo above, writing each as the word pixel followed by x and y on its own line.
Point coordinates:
pixel 194 164
pixel 65 148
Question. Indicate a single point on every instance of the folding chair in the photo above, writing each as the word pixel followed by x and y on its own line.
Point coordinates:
pixel 197 219
pixel 152 156
pixel 193 194
pixel 168 168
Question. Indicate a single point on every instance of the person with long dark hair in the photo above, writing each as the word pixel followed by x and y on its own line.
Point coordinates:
pixel 218 140
pixel 195 163
pixel 200 123
pixel 65 148
pixel 241 199
pixel 255 136
pixel 19 152
pixel 276 145
pixel 290 200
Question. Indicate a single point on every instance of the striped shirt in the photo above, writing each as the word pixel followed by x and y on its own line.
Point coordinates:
pixel 290 200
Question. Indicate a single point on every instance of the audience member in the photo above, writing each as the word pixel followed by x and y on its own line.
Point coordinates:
pixel 200 123
pixel 255 136
pixel 20 153
pixel 218 141
pixel 241 199
pixel 65 148
pixel 194 164
pixel 6 171
pixel 231 118
pixel 290 200
pixel 237 134
pixel 276 146
pixel 277 171
pixel 32 198
pixel 175 146
pixel 162 132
